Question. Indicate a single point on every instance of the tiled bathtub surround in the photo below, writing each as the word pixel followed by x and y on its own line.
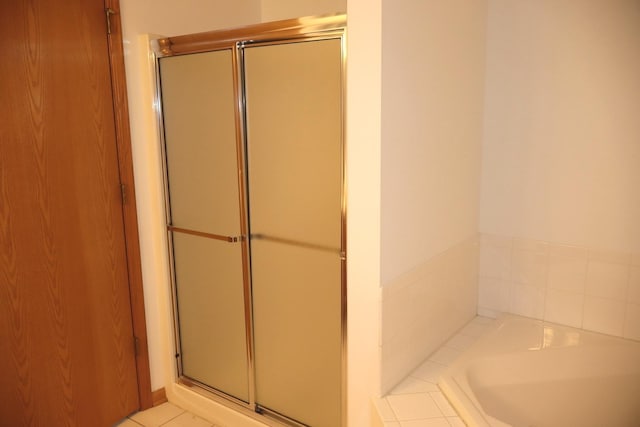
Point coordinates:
pixel 417 401
pixel 576 286
pixel 425 307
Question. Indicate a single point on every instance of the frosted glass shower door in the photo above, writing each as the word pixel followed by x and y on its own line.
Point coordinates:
pixel 294 147
pixel 204 204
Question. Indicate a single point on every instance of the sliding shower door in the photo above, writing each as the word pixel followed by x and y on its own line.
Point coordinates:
pixel 294 152
pixel 253 135
pixel 204 219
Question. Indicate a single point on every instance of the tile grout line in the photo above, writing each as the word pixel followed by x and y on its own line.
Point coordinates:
pixel 179 415
pixel 444 415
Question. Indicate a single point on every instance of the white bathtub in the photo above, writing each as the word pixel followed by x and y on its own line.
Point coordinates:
pixel 528 373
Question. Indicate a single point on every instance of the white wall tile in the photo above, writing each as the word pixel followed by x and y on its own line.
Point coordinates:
pixel 632 322
pixel 495 258
pixel 553 282
pixel 604 315
pixel 398 312
pixel 495 240
pixel 567 273
pixel 634 285
pixel 607 280
pixel 529 267
pixel 423 308
pixel 538 246
pixel 394 362
pixel 528 301
pixel 564 307
pixel 494 294
pixel 563 251
pixel 609 256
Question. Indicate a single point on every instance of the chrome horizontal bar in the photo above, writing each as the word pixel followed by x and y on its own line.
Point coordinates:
pixel 274 239
pixel 230 239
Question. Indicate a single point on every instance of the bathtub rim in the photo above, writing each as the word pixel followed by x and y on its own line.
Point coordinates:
pixel 467 407
pixel 454 382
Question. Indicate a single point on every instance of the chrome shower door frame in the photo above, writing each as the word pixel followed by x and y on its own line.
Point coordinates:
pixel 279 32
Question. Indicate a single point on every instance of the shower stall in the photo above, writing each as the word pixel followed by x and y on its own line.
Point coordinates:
pixel 254 185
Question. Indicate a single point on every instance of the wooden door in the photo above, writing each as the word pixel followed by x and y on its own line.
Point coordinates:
pixel 66 339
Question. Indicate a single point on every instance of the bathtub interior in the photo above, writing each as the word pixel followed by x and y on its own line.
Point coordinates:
pixel 526 372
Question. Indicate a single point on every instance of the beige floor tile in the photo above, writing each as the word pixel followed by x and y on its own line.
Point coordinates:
pixel 155 417
pixel 187 420
pixel 127 423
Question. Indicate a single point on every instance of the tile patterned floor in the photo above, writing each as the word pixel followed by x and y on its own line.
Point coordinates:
pixel 417 401
pixel 165 415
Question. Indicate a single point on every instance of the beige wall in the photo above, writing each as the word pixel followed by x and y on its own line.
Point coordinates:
pixel 363 206
pixel 432 101
pixel 433 87
pixel 274 10
pixel 170 18
pixel 560 178
pixel 562 137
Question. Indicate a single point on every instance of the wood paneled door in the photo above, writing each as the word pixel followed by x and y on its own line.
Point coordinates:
pixel 70 287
